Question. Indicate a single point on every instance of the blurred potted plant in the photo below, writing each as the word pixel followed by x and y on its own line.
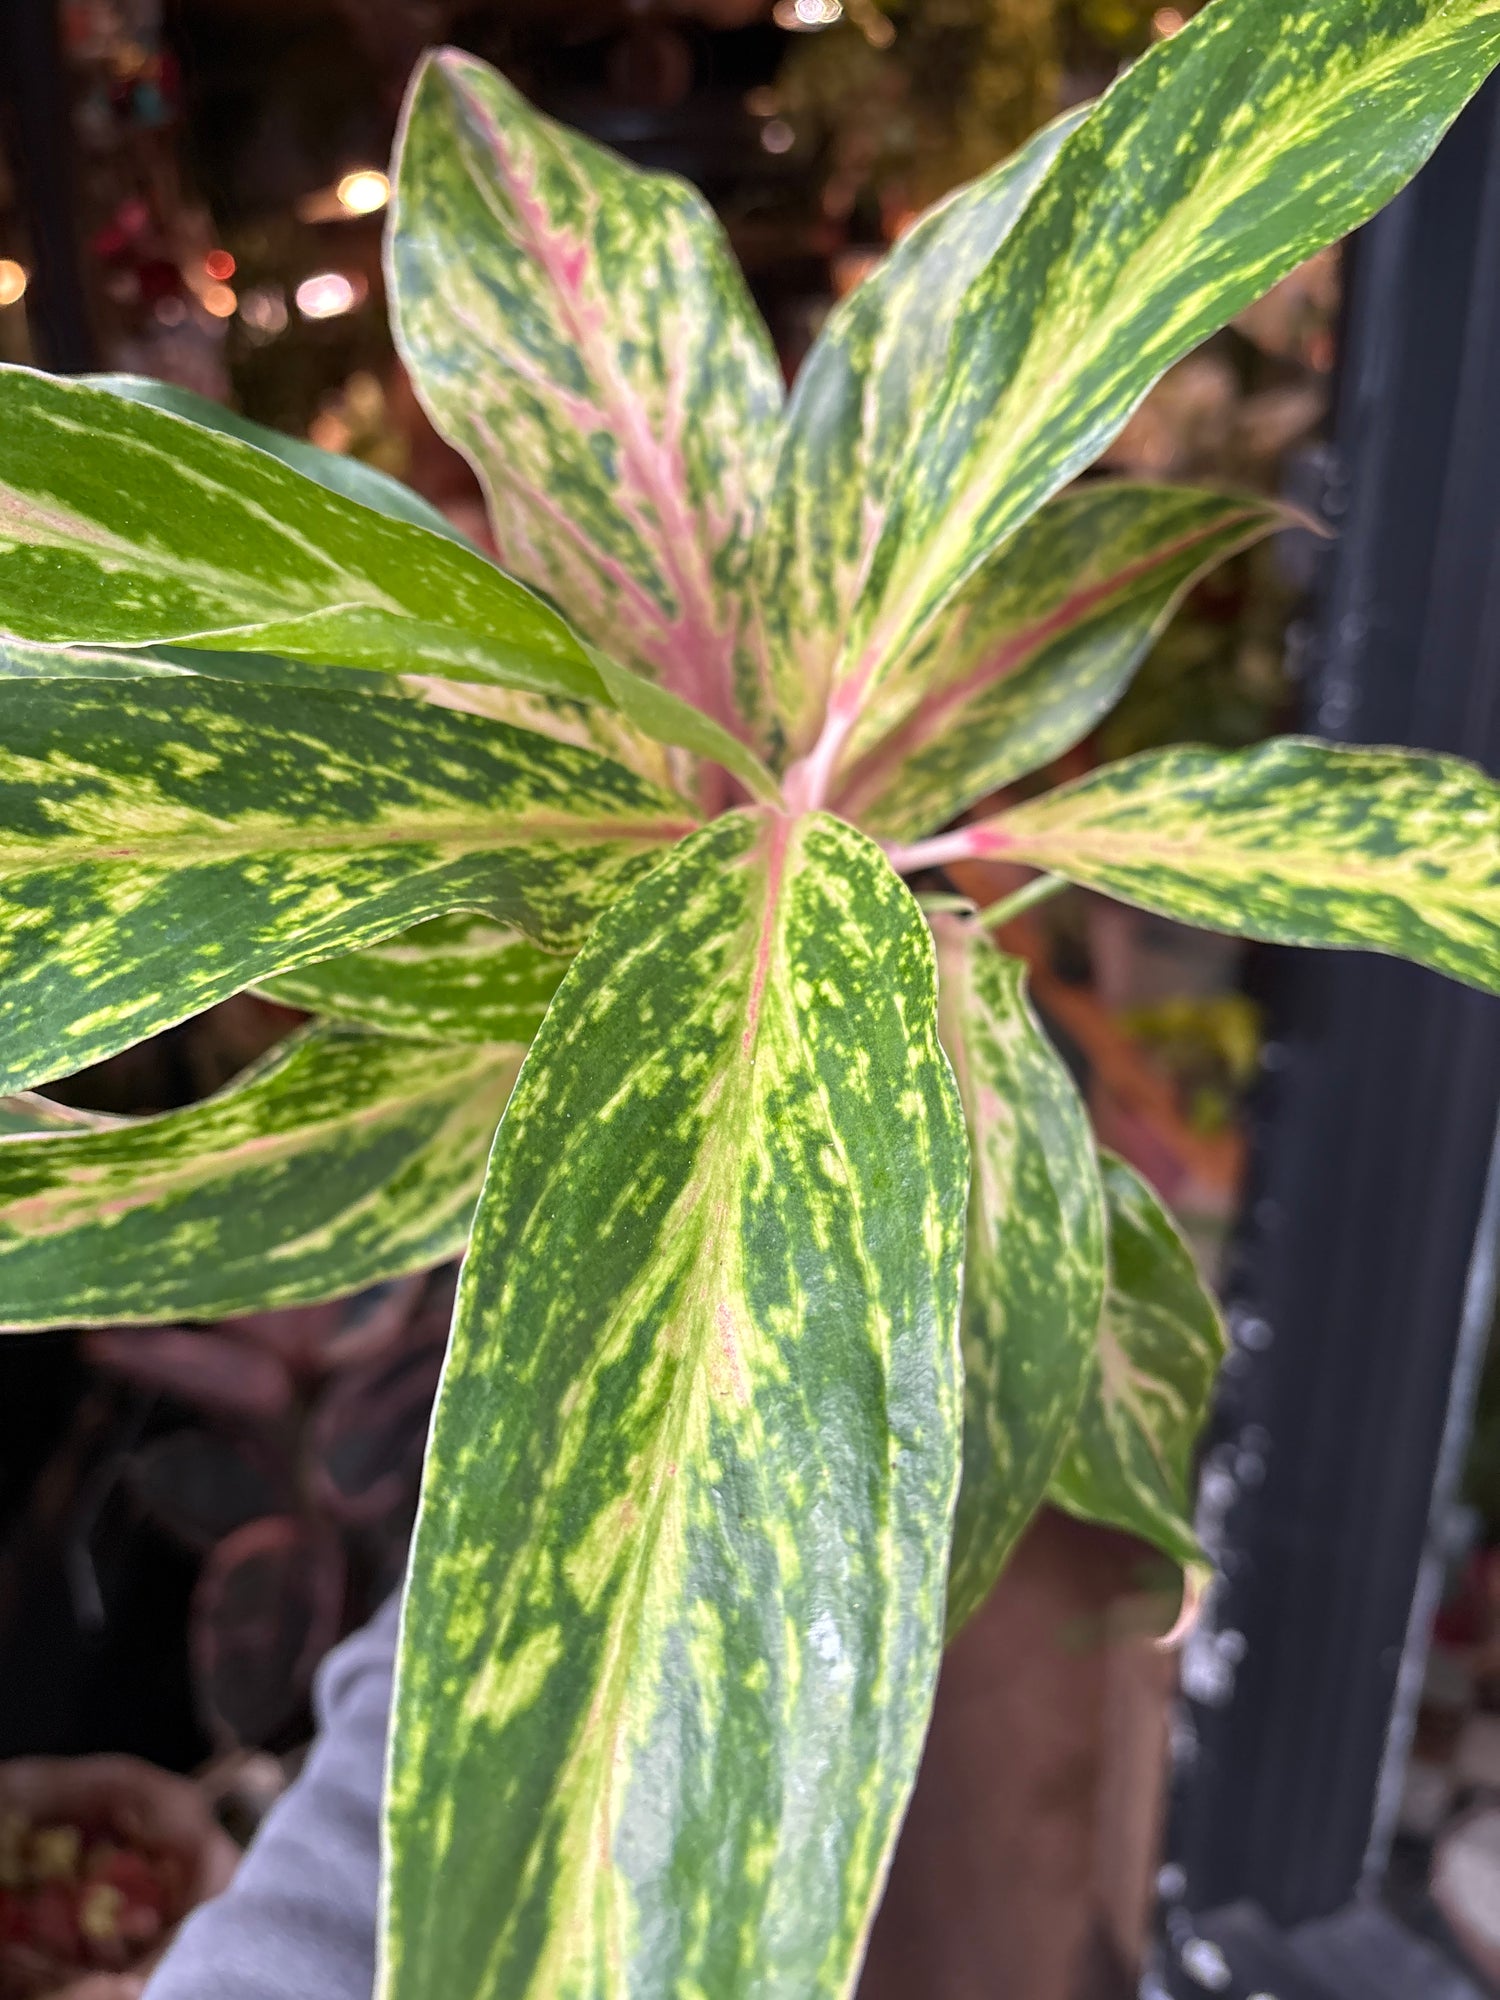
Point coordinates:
pixel 752 1383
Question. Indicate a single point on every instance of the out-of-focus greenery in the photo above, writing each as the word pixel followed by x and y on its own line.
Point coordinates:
pixel 909 98
pixel 1209 1045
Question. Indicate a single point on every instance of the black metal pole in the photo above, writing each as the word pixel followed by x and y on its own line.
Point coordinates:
pixel 1377 1119
pixel 36 119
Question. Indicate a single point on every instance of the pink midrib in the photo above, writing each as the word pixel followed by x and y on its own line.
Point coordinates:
pixel 693 644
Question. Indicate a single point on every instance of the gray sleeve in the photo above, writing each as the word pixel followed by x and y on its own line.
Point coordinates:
pixel 298 1921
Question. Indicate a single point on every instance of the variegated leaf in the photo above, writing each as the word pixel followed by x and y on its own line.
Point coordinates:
pixel 22 661
pixel 579 329
pixel 1224 157
pixel 27 1111
pixel 586 724
pixel 676 1599
pixel 1039 646
pixel 1295 841
pixel 339 1160
pixel 1129 1462
pixel 1034 1272
pixel 340 474
pixel 456 979
pixel 165 842
pixel 275 561
pixel 122 525
pixel 860 397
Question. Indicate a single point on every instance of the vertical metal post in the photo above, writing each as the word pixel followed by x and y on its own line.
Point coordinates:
pixel 1377 1118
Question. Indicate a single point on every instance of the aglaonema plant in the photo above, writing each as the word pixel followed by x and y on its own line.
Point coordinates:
pixel 794 1278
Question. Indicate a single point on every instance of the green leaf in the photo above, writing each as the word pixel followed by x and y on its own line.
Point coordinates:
pixel 1129 1462
pixel 455 979
pixel 579 329
pixel 1223 158
pixel 585 724
pixel 26 1111
pixel 667 718
pixel 21 661
pixel 860 400
pixel 340 474
pixel 121 525
pixel 1295 841
pixel 676 1601
pixel 1038 647
pixel 338 1160
pixel 163 843
pixel 1034 1270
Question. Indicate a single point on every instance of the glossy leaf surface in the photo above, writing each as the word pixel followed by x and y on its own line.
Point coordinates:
pixel 163 843
pixel 1295 841
pixel 121 524
pixel 1038 648
pixel 1129 1462
pixel 340 1159
pixel 677 1591
pixel 459 978
pixel 1216 163
pixel 580 330
pixel 340 474
pixel 860 399
pixel 1034 1271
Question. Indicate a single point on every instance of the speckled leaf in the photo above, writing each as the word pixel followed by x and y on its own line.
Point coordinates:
pixel 1039 646
pixel 28 1111
pixel 163 843
pixel 677 1591
pixel 339 1160
pixel 586 724
pixel 460 978
pixel 121 524
pixel 579 329
pixel 1295 841
pixel 1034 1272
pixel 1222 158
pixel 340 474
pixel 1129 1462
pixel 860 396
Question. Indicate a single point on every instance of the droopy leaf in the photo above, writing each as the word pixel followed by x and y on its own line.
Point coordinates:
pixel 1295 841
pixel 1034 1271
pixel 340 474
pixel 860 397
pixel 163 843
pixel 579 329
pixel 121 525
pixel 1224 157
pixel 677 1590
pixel 1129 1461
pixel 339 1160
pixel 458 978
pixel 1039 646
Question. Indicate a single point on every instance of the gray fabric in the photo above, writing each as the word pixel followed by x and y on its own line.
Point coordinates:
pixel 298 1921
